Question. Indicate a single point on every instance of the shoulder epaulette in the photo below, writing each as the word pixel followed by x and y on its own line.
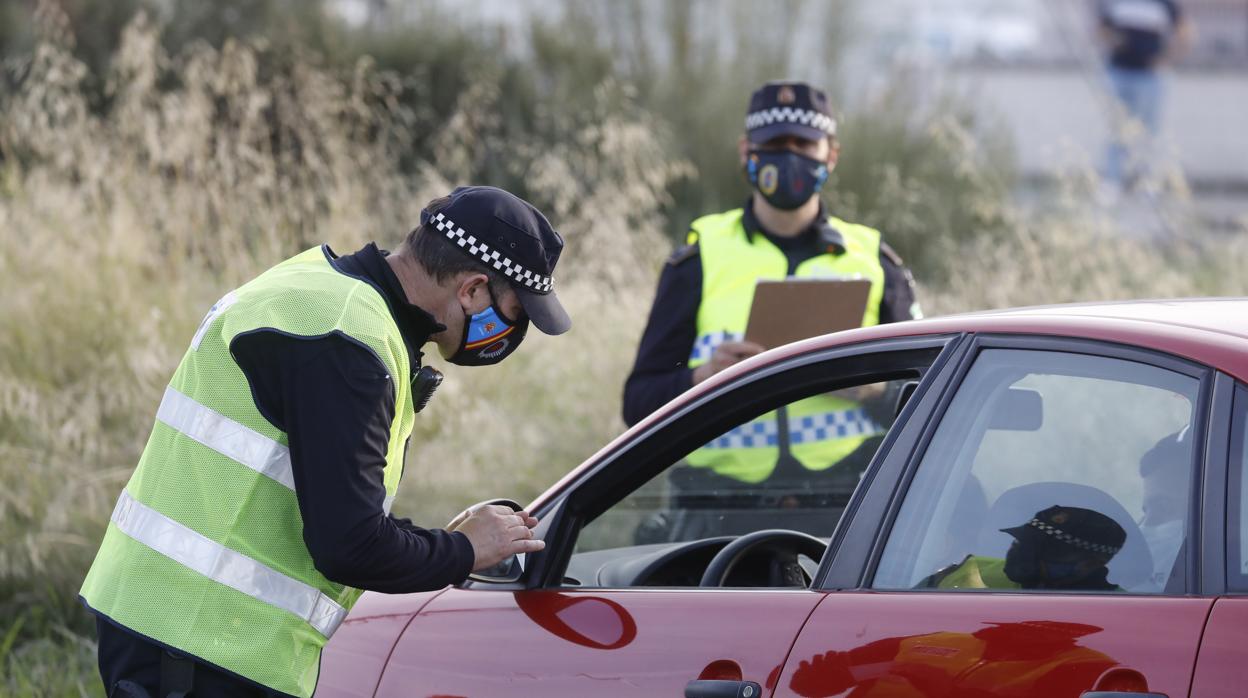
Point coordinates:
pixel 892 255
pixel 683 254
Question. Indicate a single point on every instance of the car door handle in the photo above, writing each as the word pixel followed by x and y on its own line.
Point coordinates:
pixel 706 688
pixel 1120 694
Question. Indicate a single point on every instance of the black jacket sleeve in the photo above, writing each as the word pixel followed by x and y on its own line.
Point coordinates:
pixel 661 370
pixel 335 401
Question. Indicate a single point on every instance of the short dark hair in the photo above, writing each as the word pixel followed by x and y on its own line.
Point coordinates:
pixel 443 259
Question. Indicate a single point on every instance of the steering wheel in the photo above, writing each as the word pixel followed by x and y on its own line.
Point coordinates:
pixel 785 546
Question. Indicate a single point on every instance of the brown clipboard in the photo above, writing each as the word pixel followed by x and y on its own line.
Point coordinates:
pixel 793 309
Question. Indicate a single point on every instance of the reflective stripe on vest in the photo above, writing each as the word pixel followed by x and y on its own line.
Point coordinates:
pixel 235 441
pixel 225 566
pixel 810 428
pixel 832 425
pixel 756 434
pixel 706 345
pixel 226 436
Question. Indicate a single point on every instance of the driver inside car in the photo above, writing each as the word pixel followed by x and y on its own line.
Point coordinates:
pixel 1061 547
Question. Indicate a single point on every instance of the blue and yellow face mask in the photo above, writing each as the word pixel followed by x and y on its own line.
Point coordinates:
pixel 489 337
pixel 786 179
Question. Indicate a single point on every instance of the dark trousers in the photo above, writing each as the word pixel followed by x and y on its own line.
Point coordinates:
pixel 127 660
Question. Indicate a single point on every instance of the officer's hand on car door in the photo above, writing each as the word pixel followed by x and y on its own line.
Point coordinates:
pixel 496 533
pixel 726 354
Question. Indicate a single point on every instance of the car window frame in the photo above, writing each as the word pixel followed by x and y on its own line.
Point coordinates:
pixel 1236 582
pixel 701 419
pixel 854 538
pixel 855 566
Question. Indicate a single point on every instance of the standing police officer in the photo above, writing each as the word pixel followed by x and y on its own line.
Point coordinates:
pixel 699 314
pixel 260 507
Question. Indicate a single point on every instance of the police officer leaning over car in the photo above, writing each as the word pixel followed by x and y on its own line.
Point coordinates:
pixel 699 315
pixel 260 507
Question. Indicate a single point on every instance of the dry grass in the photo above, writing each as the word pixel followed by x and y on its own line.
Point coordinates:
pixel 119 229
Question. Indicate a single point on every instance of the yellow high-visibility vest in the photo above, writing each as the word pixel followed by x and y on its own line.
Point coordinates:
pixel 822 429
pixel 977 572
pixel 204 552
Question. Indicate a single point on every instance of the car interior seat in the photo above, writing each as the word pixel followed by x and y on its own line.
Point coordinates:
pixel 963 529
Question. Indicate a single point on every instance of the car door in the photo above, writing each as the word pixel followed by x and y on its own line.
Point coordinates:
pixel 613 606
pixel 1224 646
pixel 1040 538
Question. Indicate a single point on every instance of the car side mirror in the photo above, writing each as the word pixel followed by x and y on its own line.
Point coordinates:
pixel 505 572
pixel 510 569
pixel 1017 409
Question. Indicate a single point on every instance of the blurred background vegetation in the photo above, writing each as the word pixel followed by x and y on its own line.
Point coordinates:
pixel 155 153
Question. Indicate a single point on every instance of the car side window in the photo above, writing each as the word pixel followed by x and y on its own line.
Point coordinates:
pixel 1053 471
pixel 791 468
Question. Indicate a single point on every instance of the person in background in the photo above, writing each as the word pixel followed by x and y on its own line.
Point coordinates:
pixel 698 319
pixel 1139 38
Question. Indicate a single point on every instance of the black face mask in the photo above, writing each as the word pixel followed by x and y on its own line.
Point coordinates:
pixel 1022 564
pixel 489 337
pixel 1036 564
pixel 785 179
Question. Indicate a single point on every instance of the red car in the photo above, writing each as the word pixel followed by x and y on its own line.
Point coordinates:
pixel 1036 502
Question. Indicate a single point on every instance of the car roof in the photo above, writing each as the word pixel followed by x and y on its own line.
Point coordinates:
pixel 1210 331
pixel 1225 315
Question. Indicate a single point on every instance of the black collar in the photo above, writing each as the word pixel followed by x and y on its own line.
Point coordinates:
pixel 415 323
pixel 819 233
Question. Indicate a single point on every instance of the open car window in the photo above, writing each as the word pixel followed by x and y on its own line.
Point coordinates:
pixel 1052 471
pixel 778 450
pixel 793 468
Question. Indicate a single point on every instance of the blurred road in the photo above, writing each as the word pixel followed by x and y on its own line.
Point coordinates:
pixel 1057 117
pixel 1058 120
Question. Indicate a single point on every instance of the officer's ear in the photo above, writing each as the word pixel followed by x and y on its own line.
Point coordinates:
pixel 834 152
pixel 473 292
pixel 743 149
